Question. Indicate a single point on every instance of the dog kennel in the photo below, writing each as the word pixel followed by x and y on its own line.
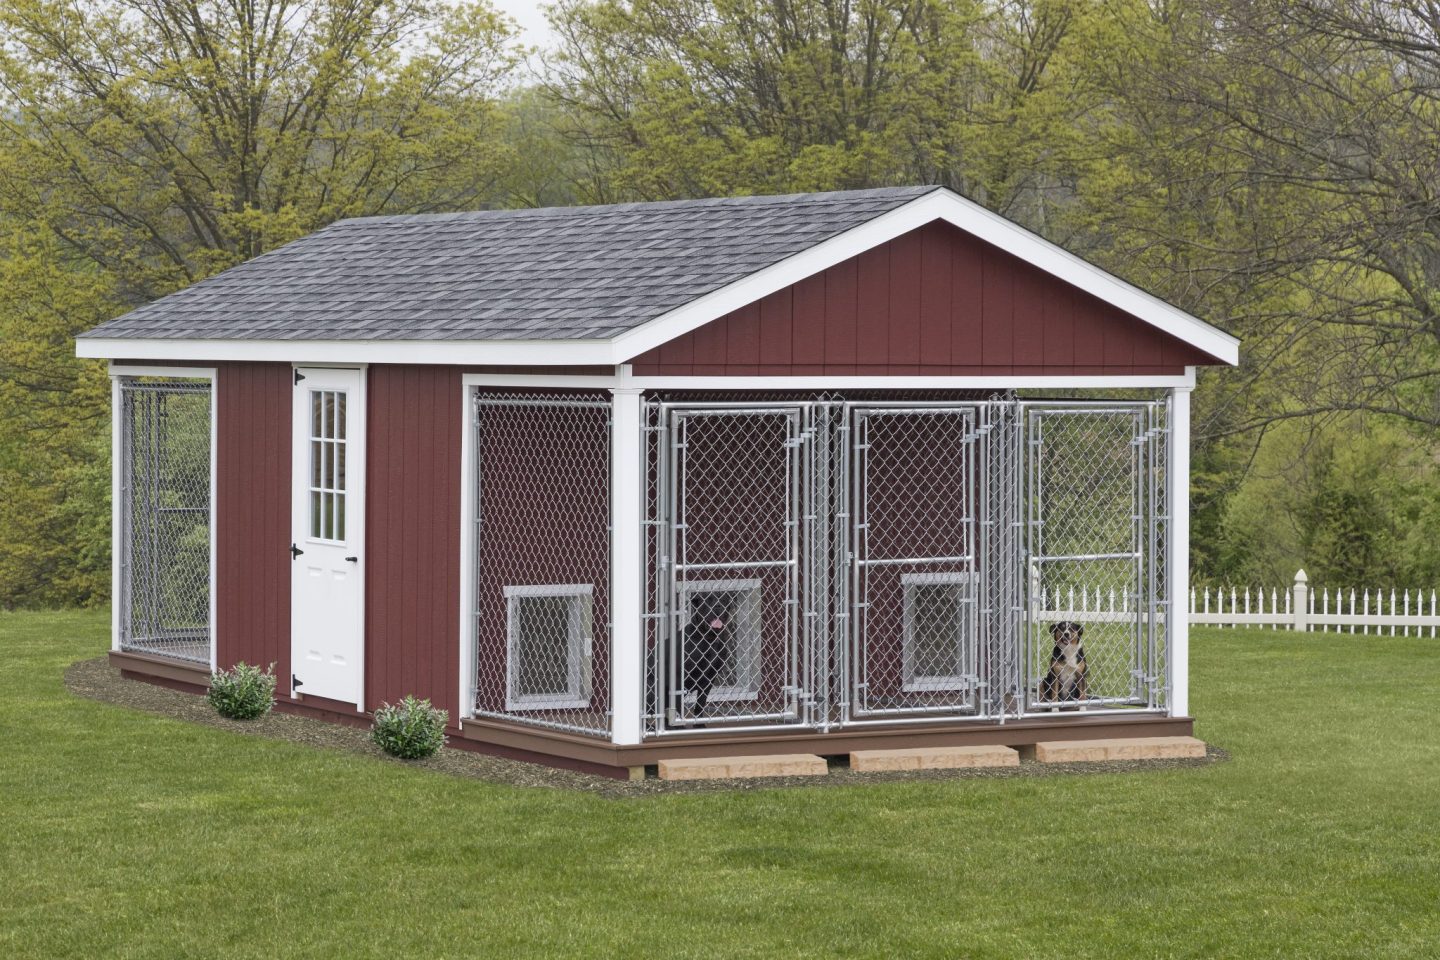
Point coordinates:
pixel 616 483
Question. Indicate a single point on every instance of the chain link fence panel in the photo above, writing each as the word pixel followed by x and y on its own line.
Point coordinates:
pixel 542 559
pixel 164 538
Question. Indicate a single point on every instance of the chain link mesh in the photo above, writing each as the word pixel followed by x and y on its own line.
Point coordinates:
pixel 916 579
pixel 1095 553
pixel 164 538
pixel 735 624
pixel 542 559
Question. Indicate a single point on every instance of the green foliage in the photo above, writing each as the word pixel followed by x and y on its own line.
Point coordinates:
pixel 243 693
pixel 54 426
pixel 1354 502
pixel 411 729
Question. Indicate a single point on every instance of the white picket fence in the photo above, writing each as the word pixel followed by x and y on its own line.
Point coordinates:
pixel 1303 608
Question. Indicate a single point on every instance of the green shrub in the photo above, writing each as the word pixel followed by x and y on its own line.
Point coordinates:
pixel 411 729
pixel 243 693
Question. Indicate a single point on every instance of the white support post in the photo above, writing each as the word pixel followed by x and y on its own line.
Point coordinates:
pixel 1178 499
pixel 1302 600
pixel 116 492
pixel 627 634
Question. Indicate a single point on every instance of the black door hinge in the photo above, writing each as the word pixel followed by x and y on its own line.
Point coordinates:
pixel 295 682
pixel 298 375
pixel 295 551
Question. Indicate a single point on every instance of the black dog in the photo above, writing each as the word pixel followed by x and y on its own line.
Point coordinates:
pixel 705 646
pixel 1065 680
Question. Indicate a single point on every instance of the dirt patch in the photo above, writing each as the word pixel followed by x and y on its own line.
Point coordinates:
pixel 97 680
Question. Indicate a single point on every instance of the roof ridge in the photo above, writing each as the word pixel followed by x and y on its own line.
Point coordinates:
pixel 611 209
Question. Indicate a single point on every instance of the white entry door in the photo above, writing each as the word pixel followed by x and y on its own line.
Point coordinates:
pixel 327 578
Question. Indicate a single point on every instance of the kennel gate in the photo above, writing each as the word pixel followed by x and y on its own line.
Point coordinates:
pixel 1095 538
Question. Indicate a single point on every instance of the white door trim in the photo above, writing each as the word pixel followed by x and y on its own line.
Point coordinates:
pixel 355 503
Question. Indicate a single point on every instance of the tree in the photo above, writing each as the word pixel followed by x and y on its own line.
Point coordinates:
pixel 699 98
pixel 145 144
pixel 1290 181
pixel 166 139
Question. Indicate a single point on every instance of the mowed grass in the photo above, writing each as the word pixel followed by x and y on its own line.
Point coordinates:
pixel 124 834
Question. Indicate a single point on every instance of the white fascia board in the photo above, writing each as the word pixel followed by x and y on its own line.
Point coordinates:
pixel 1001 382
pixel 1102 382
pixel 186 373
pixel 322 352
pixel 968 216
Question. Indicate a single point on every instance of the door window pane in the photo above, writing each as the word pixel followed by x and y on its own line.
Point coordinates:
pixel 327 465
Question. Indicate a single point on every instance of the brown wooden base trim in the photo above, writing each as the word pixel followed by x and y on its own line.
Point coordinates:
pixel 181 685
pixel 1015 733
pixel 538 745
pixel 324 704
pixel 178 670
pixel 547 746
pixel 460 741
pixel 311 707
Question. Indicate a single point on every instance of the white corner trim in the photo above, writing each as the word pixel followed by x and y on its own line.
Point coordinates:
pixel 466 633
pixel 1177 572
pixel 627 567
pixel 942 204
pixel 117 440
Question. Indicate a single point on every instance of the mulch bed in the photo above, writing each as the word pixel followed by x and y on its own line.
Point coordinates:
pixel 97 680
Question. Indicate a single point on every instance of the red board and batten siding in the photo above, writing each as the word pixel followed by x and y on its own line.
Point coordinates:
pixel 252 515
pixel 412 595
pixel 412 550
pixel 933 302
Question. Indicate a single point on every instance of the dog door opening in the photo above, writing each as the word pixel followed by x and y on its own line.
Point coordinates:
pixel 550 645
pixel 937 617
pixel 721 642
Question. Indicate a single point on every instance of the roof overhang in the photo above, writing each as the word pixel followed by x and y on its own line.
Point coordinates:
pixel 940 204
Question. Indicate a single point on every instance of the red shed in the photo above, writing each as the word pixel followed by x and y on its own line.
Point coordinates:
pixel 617 483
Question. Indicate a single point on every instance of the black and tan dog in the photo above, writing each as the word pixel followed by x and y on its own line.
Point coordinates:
pixel 1065 680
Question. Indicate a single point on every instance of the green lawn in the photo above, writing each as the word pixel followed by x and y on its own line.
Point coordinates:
pixel 125 834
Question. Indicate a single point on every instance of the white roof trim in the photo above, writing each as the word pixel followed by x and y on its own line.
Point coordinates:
pixel 940 204
pixel 967 215
pixel 313 352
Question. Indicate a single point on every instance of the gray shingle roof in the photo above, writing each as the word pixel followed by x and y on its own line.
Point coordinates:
pixel 563 273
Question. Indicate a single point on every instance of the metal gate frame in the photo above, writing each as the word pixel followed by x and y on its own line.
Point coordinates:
pixel 826 555
pixel 1144 607
pixel 668 674
pixel 858 563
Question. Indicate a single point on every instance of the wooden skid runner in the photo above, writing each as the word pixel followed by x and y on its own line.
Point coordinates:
pixel 933 758
pixel 1133 748
pixel 722 768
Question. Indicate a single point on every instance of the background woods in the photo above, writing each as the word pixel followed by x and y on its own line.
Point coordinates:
pixel 1270 167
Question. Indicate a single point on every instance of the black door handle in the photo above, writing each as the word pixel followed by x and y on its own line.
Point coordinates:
pixel 295 551
pixel 353 559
